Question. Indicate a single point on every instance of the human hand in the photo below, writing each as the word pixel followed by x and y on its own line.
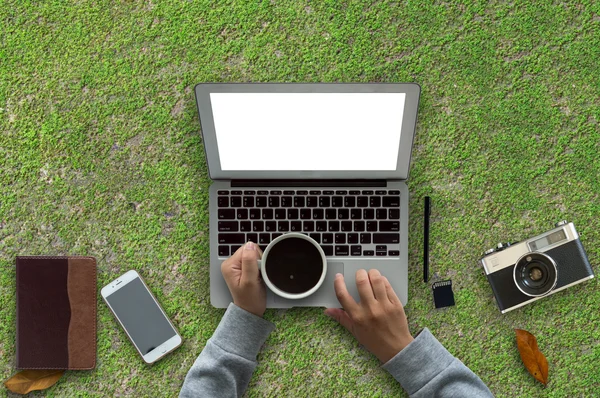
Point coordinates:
pixel 378 322
pixel 242 275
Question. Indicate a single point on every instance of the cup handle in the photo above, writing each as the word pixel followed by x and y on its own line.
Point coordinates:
pixel 259 261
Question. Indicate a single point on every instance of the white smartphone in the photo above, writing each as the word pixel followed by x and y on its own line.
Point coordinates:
pixel 140 315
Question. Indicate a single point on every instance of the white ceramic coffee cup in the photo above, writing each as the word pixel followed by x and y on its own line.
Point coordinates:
pixel 265 258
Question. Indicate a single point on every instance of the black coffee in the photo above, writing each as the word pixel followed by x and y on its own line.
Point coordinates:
pixel 294 265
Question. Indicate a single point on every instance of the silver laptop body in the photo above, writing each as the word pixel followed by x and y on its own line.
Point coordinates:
pixel 329 160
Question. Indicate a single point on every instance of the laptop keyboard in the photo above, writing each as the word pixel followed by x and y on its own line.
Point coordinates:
pixel 344 223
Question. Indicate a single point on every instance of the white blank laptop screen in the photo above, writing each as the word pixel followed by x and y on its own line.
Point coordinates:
pixel 308 131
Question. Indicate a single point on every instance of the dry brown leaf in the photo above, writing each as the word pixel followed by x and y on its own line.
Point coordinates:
pixel 33 379
pixel 535 362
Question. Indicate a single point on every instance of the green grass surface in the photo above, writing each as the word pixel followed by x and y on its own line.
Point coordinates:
pixel 101 155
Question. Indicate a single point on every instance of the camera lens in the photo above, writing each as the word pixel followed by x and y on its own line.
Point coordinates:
pixel 535 274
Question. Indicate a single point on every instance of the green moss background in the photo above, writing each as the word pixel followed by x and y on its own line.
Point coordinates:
pixel 101 155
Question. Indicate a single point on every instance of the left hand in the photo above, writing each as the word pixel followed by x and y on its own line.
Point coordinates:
pixel 242 275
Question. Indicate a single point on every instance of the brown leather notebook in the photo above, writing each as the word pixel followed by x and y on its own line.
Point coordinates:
pixel 56 312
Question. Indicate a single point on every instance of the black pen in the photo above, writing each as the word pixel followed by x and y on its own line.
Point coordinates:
pixel 427 213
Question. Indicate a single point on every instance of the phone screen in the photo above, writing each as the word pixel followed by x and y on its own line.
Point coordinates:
pixel 141 317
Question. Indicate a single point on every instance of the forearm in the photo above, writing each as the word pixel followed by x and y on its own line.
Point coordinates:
pixel 425 369
pixel 225 366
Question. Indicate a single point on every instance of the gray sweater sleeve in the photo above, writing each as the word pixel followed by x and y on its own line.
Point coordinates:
pixel 225 365
pixel 224 368
pixel 426 369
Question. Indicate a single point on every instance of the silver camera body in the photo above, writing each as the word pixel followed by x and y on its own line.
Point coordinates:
pixel 523 272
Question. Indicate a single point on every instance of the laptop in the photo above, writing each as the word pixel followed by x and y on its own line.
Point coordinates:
pixel 329 160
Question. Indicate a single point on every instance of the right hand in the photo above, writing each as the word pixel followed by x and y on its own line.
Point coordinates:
pixel 378 322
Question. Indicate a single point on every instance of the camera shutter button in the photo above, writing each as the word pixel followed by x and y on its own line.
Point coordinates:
pixel 561 223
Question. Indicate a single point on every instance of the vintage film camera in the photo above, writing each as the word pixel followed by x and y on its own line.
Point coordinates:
pixel 523 272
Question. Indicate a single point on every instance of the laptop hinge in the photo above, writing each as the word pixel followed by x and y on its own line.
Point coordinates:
pixel 309 183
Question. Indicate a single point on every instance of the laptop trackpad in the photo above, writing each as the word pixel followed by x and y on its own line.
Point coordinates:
pixel 324 297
